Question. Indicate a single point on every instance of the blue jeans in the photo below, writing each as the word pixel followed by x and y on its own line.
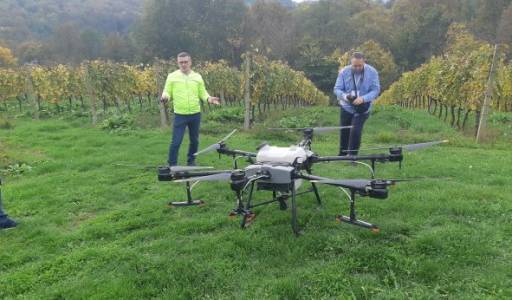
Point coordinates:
pixel 178 131
pixel 2 214
pixel 350 139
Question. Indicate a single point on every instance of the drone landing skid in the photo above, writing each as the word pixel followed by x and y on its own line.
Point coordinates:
pixel 186 203
pixel 189 202
pixel 356 222
pixel 353 219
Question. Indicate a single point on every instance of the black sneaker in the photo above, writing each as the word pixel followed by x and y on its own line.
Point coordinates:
pixel 6 223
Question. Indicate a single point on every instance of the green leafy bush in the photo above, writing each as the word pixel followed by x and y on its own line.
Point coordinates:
pixel 16 169
pixel 117 123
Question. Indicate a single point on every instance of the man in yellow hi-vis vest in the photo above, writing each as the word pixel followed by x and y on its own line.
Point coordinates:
pixel 186 89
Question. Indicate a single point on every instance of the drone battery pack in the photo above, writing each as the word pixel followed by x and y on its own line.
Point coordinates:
pixel 378 193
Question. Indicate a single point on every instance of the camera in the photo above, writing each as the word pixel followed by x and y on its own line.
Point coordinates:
pixel 361 108
pixel 351 98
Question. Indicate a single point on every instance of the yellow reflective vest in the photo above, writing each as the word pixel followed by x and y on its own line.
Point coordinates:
pixel 185 91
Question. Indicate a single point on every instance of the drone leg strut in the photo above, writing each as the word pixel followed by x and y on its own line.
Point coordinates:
pixel 239 210
pixel 315 189
pixel 248 215
pixel 295 225
pixel 317 195
pixel 352 219
pixel 189 201
pixel 282 202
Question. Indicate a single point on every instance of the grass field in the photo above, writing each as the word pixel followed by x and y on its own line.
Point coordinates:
pixel 92 227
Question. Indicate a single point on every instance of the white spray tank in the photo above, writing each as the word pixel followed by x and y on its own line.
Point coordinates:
pixel 281 155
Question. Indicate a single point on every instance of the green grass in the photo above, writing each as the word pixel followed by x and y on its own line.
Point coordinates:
pixel 92 229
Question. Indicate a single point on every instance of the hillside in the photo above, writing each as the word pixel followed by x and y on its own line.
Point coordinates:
pixel 22 20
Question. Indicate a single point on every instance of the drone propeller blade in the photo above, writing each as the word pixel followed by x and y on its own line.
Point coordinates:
pixel 409 147
pixel 135 166
pixel 327 129
pixel 187 168
pixel 228 136
pixel 346 183
pixel 360 184
pixel 214 177
pixel 315 129
pixel 172 169
pixel 208 149
pixel 417 179
pixel 419 146
pixel 283 128
pixel 215 146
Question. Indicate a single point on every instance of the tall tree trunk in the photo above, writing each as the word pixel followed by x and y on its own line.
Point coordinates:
pixel 164 114
pixel 82 106
pixel 253 110
pixel 482 123
pixel 149 99
pixel 458 116
pixel 140 102
pixel 247 92
pixel 222 98
pixel 452 110
pixel 129 106
pixel 92 97
pixel 29 91
pixel 477 120
pixel 19 103
pixel 466 115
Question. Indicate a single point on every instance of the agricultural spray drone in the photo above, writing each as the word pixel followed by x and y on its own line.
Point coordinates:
pixel 282 170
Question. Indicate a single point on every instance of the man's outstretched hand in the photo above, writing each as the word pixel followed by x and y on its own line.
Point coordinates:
pixel 213 100
pixel 164 99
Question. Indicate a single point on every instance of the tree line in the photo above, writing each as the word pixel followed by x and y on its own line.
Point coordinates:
pixel 452 85
pixel 95 87
pixel 305 35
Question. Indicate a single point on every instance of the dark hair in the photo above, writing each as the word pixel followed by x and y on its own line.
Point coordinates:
pixel 358 55
pixel 184 54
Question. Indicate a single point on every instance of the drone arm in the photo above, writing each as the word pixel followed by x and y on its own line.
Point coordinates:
pixel 369 157
pixel 164 174
pixel 372 188
pixel 309 177
pixel 230 152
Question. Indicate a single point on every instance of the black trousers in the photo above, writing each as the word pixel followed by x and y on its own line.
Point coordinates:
pixel 350 139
